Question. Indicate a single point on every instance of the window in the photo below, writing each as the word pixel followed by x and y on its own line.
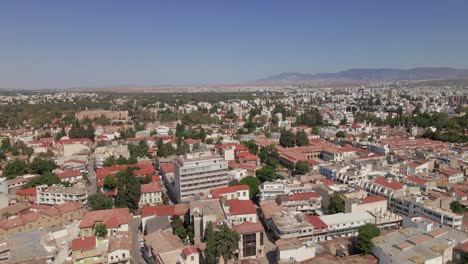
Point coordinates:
pixel 261 239
pixel 192 258
pixel 249 242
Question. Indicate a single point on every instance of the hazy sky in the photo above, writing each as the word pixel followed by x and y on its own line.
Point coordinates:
pixel 58 44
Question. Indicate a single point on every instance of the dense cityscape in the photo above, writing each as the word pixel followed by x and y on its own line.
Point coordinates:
pixel 234 132
pixel 368 173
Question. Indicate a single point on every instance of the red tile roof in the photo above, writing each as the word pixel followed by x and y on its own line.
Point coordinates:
pixel 83 243
pixel 328 182
pixel 416 180
pixel 391 185
pixel 241 207
pixel 216 193
pixel 85 141
pixel 112 218
pixel 248 228
pixel 167 167
pixel 69 174
pixel 373 199
pixel 460 193
pixel 28 191
pixel 141 170
pixel 316 222
pixel 187 251
pixel 165 210
pixel 450 172
pixel 303 196
pixel 151 187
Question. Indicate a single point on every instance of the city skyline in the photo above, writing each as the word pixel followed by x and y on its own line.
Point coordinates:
pixel 83 44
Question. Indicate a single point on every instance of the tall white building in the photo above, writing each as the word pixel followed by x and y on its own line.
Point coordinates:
pixel 199 173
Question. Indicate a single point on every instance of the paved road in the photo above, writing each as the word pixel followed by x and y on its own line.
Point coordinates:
pixel 136 236
pixel 91 174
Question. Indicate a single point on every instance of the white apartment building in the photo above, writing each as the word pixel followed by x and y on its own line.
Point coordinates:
pixel 414 205
pixel 199 174
pixel 57 194
pixel 270 190
pixel 151 194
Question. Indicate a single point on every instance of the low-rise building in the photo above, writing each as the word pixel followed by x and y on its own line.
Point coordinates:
pixel 415 205
pixel 240 192
pixel 303 202
pixel 251 242
pixel 115 220
pixel 151 193
pixel 412 245
pixel 58 194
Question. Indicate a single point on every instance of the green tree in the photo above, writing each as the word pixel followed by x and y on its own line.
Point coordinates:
pixel 271 161
pixel 98 201
pixel 40 166
pixel 337 204
pixel 109 182
pixel 210 239
pixel 15 168
pixel 286 138
pixel 128 190
pixel 253 184
pixel 302 167
pixel 100 230
pixel 121 160
pixel 250 144
pixel 267 173
pixel 364 240
pixel 5 144
pixel 47 178
pixel 457 207
pixel 110 161
pixel 301 139
pixel 182 231
pixel 340 134
pixel 180 129
pixel 227 242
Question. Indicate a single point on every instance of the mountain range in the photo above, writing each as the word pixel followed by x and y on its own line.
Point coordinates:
pixel 363 74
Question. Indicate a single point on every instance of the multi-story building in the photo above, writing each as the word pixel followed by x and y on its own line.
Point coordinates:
pixel 412 245
pixel 151 193
pixel 93 114
pixel 57 194
pixel 199 174
pixel 327 227
pixel 58 215
pixel 304 202
pixel 270 190
pixel 240 192
pixel 414 205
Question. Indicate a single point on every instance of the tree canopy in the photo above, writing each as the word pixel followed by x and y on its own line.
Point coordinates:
pixel 128 190
pixel 253 184
pixel 337 204
pixel 364 239
pixel 302 167
pixel 267 173
pixel 98 201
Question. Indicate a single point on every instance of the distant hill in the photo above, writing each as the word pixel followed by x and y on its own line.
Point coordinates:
pixel 426 73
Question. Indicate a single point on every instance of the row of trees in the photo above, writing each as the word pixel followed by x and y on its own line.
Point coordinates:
pixel 18 148
pixel 19 167
pixel 288 139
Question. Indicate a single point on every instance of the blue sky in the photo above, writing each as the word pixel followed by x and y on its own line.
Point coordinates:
pixel 60 44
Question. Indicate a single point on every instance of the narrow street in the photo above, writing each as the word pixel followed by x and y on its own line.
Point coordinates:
pixel 136 236
pixel 92 188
